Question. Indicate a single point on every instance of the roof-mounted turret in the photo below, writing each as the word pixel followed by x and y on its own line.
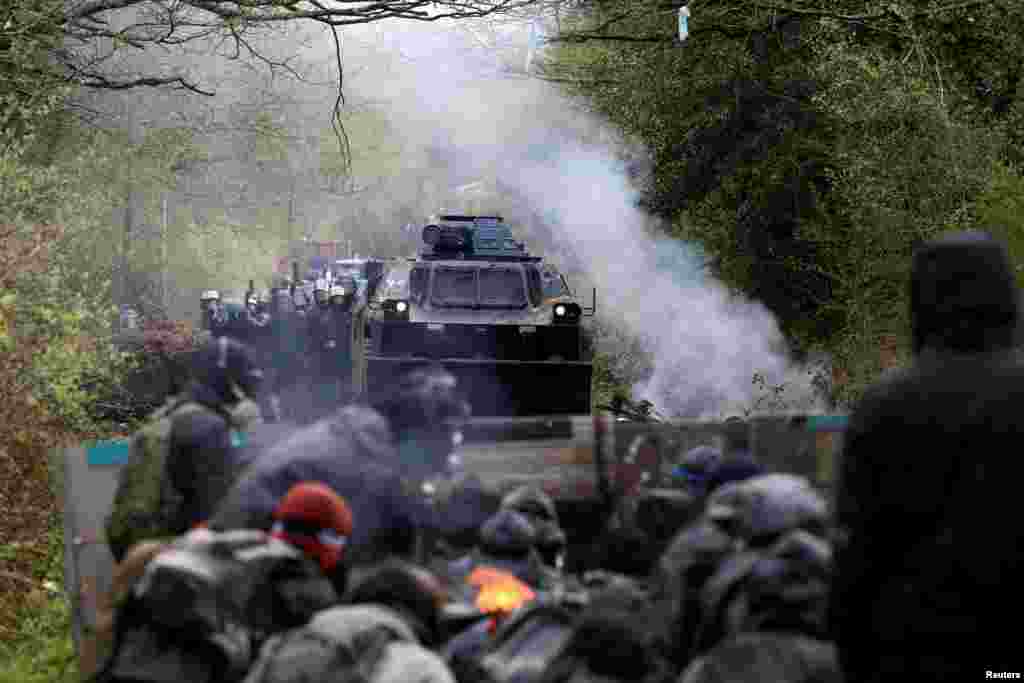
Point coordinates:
pixel 485 238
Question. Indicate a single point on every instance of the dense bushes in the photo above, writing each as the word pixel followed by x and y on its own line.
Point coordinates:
pixel 809 153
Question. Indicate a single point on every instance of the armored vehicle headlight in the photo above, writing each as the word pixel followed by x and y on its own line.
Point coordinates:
pixel 396 308
pixel 567 313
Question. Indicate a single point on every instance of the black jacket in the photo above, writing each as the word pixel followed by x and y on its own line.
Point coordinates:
pixel 927 557
pixel 351 452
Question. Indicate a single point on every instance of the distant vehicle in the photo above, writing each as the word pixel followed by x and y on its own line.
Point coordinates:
pixel 505 323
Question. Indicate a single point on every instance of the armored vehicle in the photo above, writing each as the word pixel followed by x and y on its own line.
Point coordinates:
pixel 501 320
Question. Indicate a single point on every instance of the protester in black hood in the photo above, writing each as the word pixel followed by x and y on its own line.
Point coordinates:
pixel 920 580
pixel 508 541
pixel 540 510
pixel 205 453
pixel 737 461
pixel 367 459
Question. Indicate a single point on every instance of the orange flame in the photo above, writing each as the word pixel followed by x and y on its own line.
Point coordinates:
pixel 500 592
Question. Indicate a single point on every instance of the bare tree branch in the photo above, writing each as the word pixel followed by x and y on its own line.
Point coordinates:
pixel 142 24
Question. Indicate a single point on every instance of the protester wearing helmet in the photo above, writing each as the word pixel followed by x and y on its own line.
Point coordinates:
pixel 539 509
pixel 367 457
pixel 737 461
pixel 695 469
pixel 209 307
pixel 508 542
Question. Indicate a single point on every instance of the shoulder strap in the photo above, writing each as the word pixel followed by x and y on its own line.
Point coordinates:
pixel 370 647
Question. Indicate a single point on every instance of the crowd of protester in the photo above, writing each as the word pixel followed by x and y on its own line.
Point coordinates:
pixel 320 556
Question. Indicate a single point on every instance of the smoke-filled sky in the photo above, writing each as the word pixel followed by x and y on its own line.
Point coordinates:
pixel 705 345
pixel 459 91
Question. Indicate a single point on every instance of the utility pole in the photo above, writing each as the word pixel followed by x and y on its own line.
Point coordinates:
pixel 132 210
pixel 163 256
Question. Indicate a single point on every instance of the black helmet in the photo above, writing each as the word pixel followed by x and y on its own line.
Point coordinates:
pixel 424 399
pixel 532 502
pixel 782 587
pixel 225 363
pixel 697 465
pixel 763 508
pixel 508 533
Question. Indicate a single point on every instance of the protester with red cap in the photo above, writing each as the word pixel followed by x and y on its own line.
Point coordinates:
pixel 317 520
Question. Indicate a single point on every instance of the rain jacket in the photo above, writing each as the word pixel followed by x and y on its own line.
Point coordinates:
pixel 353 453
pixel 404 659
pixel 925 564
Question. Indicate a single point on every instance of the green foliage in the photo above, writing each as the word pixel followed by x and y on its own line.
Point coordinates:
pixel 43 651
pixel 810 154
pixel 1000 211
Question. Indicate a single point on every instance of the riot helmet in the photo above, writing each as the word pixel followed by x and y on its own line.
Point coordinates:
pixel 508 534
pixel 228 367
pixel 208 297
pixel 320 292
pixel 696 467
pixel 760 509
pixel 540 510
pixel 337 295
pixel 209 305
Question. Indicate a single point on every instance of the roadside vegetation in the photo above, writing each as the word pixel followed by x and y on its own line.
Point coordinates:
pixel 809 147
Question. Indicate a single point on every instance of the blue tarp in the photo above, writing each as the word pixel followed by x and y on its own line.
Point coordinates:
pixel 826 423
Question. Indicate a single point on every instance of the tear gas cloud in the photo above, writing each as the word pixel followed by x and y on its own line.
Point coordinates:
pixel 704 344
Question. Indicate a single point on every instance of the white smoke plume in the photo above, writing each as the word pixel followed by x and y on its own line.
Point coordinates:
pixel 706 345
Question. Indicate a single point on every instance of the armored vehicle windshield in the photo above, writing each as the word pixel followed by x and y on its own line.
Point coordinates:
pixel 479 286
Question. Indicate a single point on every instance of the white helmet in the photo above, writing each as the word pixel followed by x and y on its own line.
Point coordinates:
pixel 337 291
pixel 210 295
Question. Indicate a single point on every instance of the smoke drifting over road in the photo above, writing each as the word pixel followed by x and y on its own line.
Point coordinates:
pixel 705 345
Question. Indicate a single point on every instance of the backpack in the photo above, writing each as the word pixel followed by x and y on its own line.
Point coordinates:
pixel 526 644
pixel 145 502
pixel 212 597
pixel 306 655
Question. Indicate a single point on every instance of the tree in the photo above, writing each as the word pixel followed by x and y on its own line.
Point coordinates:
pixel 808 147
pixel 86 37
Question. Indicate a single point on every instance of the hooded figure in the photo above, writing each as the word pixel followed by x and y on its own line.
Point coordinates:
pixel 508 542
pixel 387 628
pixel 205 449
pixel 368 458
pixel 540 510
pixel 920 579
